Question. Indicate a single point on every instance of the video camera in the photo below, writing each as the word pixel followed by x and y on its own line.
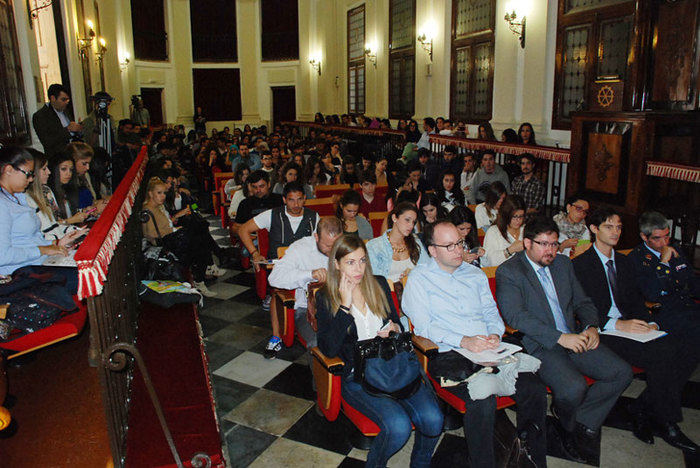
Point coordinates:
pixel 135 99
pixel 102 101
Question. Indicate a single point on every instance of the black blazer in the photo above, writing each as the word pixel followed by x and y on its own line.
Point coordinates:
pixel 337 334
pixel 593 278
pixel 52 134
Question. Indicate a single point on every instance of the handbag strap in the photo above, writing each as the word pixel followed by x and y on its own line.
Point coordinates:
pixel 155 225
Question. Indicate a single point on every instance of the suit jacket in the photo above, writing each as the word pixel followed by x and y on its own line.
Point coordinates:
pixel 523 303
pixel 52 134
pixel 674 286
pixel 593 278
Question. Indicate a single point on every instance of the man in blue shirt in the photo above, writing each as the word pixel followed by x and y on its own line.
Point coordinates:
pixel 607 277
pixel 450 302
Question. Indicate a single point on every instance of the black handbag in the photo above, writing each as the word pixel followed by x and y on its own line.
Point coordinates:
pixel 388 366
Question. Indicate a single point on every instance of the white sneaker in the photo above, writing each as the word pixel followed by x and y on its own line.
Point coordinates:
pixel 202 288
pixel 214 270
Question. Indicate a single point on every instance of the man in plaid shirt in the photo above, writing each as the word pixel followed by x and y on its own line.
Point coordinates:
pixel 528 185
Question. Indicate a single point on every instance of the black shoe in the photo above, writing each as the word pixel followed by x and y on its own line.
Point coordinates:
pixel 641 427
pixel 587 432
pixel 568 443
pixel 672 434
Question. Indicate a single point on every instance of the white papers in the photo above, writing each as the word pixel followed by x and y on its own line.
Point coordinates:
pixel 641 337
pixel 60 260
pixel 490 355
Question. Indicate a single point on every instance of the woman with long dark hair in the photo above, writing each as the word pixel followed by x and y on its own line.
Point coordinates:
pixel 449 193
pixel 526 134
pixel 355 305
pixel 486 132
pixel 506 237
pixel 487 211
pixel 395 253
pixel 65 191
pixel 463 219
pixel 347 212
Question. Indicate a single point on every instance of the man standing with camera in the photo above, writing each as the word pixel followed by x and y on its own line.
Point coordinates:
pixel 139 113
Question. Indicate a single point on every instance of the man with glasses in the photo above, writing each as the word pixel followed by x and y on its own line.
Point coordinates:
pixel 450 302
pixel 539 295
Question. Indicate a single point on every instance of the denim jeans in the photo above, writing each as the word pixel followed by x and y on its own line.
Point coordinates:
pixel 394 419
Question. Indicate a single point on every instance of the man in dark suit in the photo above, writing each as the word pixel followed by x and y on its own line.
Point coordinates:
pixel 539 295
pixel 52 124
pixel 609 280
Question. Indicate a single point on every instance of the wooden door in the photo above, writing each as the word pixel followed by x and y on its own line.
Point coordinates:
pixel 283 104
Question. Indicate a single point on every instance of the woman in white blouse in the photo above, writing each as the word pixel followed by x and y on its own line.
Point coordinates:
pixel 487 211
pixel 506 237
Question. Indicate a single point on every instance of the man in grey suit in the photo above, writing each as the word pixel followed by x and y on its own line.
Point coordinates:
pixel 539 295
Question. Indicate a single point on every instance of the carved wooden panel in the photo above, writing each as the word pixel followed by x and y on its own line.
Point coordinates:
pixel 675 54
pixel 603 163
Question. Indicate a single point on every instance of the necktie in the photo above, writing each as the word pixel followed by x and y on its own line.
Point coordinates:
pixel 553 300
pixel 612 279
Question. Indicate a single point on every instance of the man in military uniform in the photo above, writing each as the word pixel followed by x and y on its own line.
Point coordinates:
pixel 665 277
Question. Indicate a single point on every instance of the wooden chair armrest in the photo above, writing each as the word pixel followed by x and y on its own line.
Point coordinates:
pixel 3 310
pixel 652 306
pixel 333 365
pixel 424 345
pixel 510 330
pixel 287 296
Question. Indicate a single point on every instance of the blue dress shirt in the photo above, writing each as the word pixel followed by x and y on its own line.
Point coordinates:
pixel 20 233
pixel 445 307
pixel 551 294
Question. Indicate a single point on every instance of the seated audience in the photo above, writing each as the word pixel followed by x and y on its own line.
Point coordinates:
pixel 196 252
pixel 369 202
pixel 285 224
pixel 240 174
pixel 572 226
pixel 526 134
pixel 252 160
pixel 466 177
pixel 314 175
pixel 395 253
pixel 90 190
pixel 463 219
pixel 487 211
pixel 356 305
pixel 259 199
pixel 306 262
pixel 20 229
pixel 61 183
pixel 488 173
pixel 509 136
pixel 486 132
pixel 608 278
pixel 539 295
pixel 269 166
pixel 380 171
pixel 449 194
pixel 450 303
pixel 429 211
pixel 448 162
pixel 41 198
pixel 505 239
pixel 348 174
pixel 347 212
pixel 528 185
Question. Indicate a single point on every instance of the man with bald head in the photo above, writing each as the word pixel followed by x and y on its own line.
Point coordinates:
pixel 450 302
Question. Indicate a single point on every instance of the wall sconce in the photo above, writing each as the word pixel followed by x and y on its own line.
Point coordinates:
pixel 372 57
pixel 316 64
pixel 101 48
pixel 124 61
pixel 84 43
pixel 427 43
pixel 518 27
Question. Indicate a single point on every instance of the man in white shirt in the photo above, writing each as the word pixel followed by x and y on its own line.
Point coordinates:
pixel 306 262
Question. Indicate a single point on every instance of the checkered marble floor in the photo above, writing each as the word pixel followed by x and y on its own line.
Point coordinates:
pixel 266 407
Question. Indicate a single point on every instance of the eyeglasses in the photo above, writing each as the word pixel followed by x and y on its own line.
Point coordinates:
pixel 580 209
pixel 547 245
pixel 518 216
pixel 451 247
pixel 28 174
